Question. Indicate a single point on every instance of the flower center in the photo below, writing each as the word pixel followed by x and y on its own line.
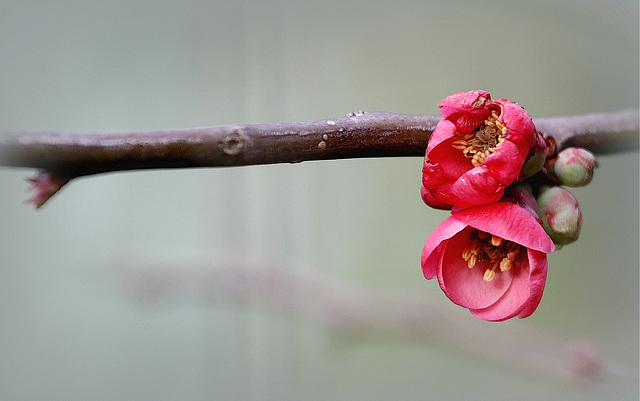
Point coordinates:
pixel 483 141
pixel 484 246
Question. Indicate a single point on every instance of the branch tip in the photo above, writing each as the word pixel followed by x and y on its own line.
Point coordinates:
pixel 45 184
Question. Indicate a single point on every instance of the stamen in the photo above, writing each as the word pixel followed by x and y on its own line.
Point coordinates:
pixel 478 158
pixel 496 241
pixel 481 101
pixel 470 255
pixel 485 246
pixel 488 275
pixel 459 144
pixel 505 264
pixel 469 151
pixel 471 263
pixel 469 136
pixel 483 141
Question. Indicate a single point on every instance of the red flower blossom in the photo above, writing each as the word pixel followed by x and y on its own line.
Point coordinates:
pixel 491 259
pixel 476 151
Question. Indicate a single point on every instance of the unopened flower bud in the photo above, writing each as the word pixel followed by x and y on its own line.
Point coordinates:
pixel 560 214
pixel 574 167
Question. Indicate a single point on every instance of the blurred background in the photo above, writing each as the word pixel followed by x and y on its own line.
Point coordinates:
pixel 107 292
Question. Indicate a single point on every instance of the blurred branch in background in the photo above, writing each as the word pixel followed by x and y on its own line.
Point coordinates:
pixel 348 310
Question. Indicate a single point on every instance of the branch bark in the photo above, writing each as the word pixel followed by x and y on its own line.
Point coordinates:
pixel 359 135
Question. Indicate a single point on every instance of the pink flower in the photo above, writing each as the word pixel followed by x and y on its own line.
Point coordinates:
pixel 491 259
pixel 476 151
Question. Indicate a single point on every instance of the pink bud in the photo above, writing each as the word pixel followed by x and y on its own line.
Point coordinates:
pixel 560 214
pixel 574 167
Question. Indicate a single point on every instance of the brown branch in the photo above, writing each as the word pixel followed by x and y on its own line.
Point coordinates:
pixel 358 135
pixel 601 133
pixel 62 157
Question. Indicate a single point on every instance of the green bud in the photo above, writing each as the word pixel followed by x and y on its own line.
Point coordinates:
pixel 574 167
pixel 560 214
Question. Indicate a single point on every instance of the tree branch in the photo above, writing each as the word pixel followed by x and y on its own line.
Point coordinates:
pixel 601 133
pixel 359 135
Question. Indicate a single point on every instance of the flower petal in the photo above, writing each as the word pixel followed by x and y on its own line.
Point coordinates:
pixel 538 266
pixel 444 130
pixel 521 127
pixel 465 286
pixel 474 187
pixel 431 260
pixel 466 109
pixel 431 201
pixel 514 299
pixel 505 163
pixel 443 232
pixel 466 101
pixel 508 221
pixel 525 293
pixel 452 161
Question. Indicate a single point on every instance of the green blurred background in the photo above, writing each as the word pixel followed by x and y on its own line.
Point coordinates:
pixel 72 328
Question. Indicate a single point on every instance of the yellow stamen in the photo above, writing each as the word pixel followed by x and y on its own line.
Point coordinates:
pixel 505 264
pixel 488 275
pixel 483 141
pixel 486 247
pixel 469 136
pixel 471 263
pixel 467 253
pixel 469 151
pixel 459 144
pixel 470 255
pixel 496 241
pixel 478 158
pixel 481 101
